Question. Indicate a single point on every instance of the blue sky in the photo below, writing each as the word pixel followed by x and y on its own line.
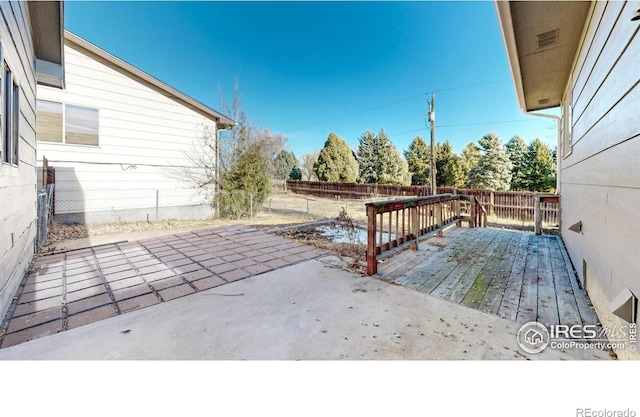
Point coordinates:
pixel 310 68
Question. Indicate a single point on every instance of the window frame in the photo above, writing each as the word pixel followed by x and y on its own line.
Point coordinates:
pixel 9 114
pixel 567 120
pixel 64 124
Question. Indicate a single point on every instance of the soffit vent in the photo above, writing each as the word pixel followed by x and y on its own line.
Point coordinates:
pixel 544 101
pixel 547 39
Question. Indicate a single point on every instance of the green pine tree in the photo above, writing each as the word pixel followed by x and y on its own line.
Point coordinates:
pixel 246 185
pixel 539 168
pixel 494 167
pixel 283 163
pixel 449 169
pixel 417 156
pixel 379 160
pixel 392 167
pixel 516 150
pixel 368 158
pixel 336 162
pixel 469 159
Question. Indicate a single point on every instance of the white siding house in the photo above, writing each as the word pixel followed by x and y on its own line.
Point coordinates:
pixel 590 67
pixel 30 52
pixel 115 136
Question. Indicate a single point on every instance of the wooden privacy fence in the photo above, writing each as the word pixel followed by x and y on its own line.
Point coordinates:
pixel 508 205
pixel 398 223
pixel 513 205
pixel 353 190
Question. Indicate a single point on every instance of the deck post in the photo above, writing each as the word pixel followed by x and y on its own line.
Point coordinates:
pixel 372 261
pixel 414 226
pixel 538 215
pixel 439 219
pixel 472 222
pixel 492 202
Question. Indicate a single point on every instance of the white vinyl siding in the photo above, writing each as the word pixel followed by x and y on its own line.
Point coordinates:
pixel 17 178
pixel 67 123
pixel 143 136
pixel 601 176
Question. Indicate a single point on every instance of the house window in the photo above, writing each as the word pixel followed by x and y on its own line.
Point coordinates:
pixel 567 125
pixel 49 121
pixel 81 125
pixel 10 117
pixel 67 123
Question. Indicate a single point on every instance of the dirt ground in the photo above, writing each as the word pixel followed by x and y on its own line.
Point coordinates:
pixel 280 209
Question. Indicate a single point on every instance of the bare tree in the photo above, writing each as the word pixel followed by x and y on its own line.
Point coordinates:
pixel 308 161
pixel 217 153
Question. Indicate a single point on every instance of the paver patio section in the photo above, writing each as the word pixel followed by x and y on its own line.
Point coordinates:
pixel 78 287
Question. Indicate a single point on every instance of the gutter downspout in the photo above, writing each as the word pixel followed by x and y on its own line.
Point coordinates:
pixel 558 142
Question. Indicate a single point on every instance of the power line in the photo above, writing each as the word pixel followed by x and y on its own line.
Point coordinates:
pixel 465 124
pixel 393 103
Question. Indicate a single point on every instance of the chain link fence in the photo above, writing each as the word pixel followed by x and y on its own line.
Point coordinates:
pixel 103 206
pixel 45 197
pixel 99 205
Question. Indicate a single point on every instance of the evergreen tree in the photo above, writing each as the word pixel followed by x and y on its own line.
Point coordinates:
pixel 392 167
pixel 469 160
pixel 494 167
pixel 539 168
pixel 516 150
pixel 247 184
pixel 417 156
pixel 295 174
pixel 336 162
pixel 283 163
pixel 368 156
pixel 449 170
pixel 379 160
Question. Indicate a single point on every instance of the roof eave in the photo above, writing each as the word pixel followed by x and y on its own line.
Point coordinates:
pixel 222 121
pixel 47 30
pixel 503 10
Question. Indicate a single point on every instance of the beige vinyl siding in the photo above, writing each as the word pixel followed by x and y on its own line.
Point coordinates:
pixel 18 183
pixel 143 136
pixel 601 177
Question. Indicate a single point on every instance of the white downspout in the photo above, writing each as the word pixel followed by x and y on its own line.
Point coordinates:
pixel 559 152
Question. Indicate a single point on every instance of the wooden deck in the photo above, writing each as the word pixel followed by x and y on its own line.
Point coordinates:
pixel 519 276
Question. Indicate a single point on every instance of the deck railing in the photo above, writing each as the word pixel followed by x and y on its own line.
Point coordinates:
pixel 394 224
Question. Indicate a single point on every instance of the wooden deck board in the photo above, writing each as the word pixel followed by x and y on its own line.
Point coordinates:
pixel 528 307
pixel 433 271
pixel 498 289
pixel 491 271
pixel 567 305
pixel 515 275
pixel 547 303
pixel 511 299
pixel 480 274
pixel 587 313
pixel 462 263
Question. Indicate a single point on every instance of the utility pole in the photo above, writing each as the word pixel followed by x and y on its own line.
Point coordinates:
pixel 432 119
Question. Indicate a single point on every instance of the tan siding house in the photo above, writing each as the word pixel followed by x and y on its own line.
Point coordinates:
pixel 599 145
pixel 30 52
pixel 115 136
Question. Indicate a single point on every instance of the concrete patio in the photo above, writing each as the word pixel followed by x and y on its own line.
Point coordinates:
pixel 311 310
pixel 78 287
